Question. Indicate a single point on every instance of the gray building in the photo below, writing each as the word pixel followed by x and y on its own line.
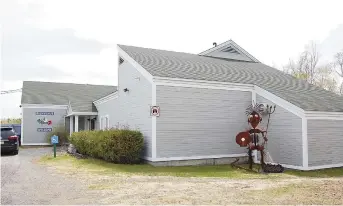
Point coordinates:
pixel 200 101
pixel 46 105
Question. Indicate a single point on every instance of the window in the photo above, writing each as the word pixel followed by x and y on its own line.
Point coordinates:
pixel 104 122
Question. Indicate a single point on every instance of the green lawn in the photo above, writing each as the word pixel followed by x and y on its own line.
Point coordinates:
pixel 332 172
pixel 100 166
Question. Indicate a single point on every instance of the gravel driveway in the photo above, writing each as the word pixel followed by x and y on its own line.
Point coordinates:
pixel 26 182
pixel 23 182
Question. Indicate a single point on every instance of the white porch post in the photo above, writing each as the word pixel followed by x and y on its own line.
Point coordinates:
pixel 71 125
pixel 76 123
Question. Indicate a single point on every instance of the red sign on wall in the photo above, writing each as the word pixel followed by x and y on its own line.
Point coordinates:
pixel 155 111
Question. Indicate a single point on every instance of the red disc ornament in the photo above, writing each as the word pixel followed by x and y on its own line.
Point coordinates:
pixel 243 139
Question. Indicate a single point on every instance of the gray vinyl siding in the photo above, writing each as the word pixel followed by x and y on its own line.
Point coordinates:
pixel 30 125
pixel 199 122
pixel 130 108
pixel 284 135
pixel 325 139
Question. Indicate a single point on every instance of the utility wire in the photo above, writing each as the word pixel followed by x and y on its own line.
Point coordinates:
pixel 11 91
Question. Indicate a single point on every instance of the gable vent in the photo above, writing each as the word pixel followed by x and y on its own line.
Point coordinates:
pixel 230 50
pixel 121 60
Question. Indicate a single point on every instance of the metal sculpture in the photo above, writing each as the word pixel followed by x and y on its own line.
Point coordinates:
pixel 251 138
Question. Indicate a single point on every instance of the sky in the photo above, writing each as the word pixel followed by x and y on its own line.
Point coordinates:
pixel 75 40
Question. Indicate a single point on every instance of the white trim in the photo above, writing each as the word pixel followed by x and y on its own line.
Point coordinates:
pixel 76 123
pixel 233 44
pixel 71 125
pixel 47 106
pixel 22 126
pixel 293 167
pixel 69 109
pixel 82 113
pixel 195 157
pixel 127 57
pixel 325 166
pixel 106 98
pixel 253 101
pixel 202 84
pixel 108 121
pixel 253 97
pixel 279 101
pixel 244 51
pixel 153 122
pixel 324 115
pixel 304 142
pixel 34 144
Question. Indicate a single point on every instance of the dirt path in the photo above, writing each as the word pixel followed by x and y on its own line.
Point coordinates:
pixel 23 182
pixel 41 184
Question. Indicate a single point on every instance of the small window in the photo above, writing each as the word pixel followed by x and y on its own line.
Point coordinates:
pixel 121 60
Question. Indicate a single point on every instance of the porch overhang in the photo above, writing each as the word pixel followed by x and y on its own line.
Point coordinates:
pixel 82 114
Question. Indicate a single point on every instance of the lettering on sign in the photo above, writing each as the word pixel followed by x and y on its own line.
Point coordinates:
pixel 44 113
pixel 44 129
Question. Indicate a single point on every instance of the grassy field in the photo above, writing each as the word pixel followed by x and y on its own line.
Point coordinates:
pixel 216 184
pixel 100 166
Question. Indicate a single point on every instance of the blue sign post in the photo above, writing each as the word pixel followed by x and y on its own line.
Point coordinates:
pixel 54 141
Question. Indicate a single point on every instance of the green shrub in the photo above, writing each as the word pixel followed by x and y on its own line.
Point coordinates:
pixel 61 132
pixel 114 145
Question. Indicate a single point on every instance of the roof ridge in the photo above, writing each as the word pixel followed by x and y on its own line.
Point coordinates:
pixel 156 49
pixel 69 83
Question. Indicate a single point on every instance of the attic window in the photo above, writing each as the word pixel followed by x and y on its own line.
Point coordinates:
pixel 230 50
pixel 121 60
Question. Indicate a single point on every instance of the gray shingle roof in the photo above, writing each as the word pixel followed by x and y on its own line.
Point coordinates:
pixel 80 96
pixel 171 64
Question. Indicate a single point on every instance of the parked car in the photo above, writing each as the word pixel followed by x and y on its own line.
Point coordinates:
pixel 17 130
pixel 9 140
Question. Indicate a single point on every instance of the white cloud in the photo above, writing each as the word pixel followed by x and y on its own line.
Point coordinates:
pixel 86 68
pixel 272 31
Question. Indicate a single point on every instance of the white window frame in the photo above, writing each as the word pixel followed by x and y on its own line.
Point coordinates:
pixel 106 124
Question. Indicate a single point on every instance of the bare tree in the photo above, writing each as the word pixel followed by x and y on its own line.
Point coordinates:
pixel 305 66
pixel 338 63
pixel 324 78
pixel 312 61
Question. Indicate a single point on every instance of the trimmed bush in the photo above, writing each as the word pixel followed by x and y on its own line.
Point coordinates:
pixel 61 132
pixel 114 145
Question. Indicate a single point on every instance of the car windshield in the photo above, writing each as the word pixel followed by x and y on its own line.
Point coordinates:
pixel 6 132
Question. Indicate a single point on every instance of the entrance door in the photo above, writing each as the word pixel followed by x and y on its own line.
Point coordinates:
pixel 92 124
